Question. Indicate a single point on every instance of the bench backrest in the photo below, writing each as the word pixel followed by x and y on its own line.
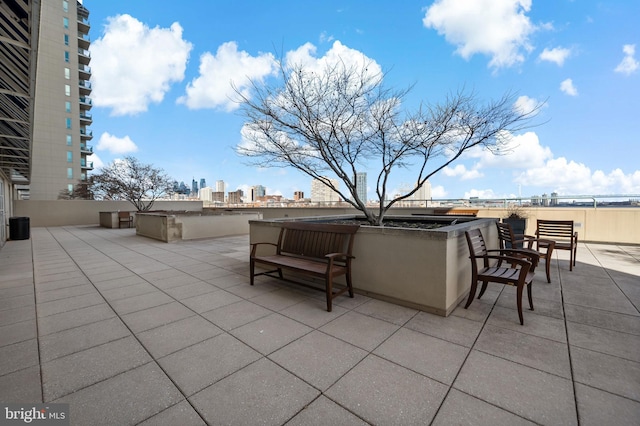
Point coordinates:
pixel 315 239
pixel 555 229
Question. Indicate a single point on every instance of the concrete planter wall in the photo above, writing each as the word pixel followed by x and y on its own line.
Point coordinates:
pixel 176 226
pixel 424 269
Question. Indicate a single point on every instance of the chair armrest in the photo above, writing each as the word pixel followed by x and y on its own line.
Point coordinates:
pixel 533 257
pixel 513 260
pixel 254 246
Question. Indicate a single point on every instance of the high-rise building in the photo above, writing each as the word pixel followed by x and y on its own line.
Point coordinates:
pixel 194 187
pixel 220 186
pixel 422 195
pixel 298 195
pixel 361 186
pixel 203 183
pixel 236 197
pixel 205 194
pixel 321 193
pixel 61 150
pixel 257 192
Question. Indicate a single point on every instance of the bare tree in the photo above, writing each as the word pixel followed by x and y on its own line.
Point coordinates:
pixel 81 191
pixel 343 119
pixel 128 179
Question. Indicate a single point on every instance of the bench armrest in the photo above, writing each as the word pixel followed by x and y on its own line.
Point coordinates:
pixel 254 246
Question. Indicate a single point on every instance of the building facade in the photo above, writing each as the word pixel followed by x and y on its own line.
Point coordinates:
pixel 320 193
pixel 61 135
pixel 257 192
pixel 361 186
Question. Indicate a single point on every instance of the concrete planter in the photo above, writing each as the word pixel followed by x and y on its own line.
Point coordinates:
pixel 176 226
pixel 423 269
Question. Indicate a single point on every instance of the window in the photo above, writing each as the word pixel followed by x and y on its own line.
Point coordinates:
pixel 69 140
pixel 69 172
pixel 66 39
pixel 70 188
pixel 67 73
pixel 83 176
pixel 67 90
pixel 68 123
pixel 69 157
pixel 65 5
pixel 65 22
pixel 66 56
pixel 67 106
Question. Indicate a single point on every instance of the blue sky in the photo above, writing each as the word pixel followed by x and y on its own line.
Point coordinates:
pixel 161 73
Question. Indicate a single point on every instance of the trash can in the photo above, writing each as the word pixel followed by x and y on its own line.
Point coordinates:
pixel 18 228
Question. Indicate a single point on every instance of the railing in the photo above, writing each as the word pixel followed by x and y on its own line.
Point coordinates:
pixel 85 100
pixel 84 52
pixel 85 116
pixel 84 83
pixel 84 68
pixel 86 148
pixel 88 133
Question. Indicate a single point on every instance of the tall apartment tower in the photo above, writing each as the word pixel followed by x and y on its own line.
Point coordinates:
pixel 258 191
pixel 220 186
pixel 361 186
pixel 62 102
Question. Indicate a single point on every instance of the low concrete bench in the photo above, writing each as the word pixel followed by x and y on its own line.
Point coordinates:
pixel 315 249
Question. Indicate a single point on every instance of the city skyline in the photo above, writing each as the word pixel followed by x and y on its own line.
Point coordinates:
pixel 175 109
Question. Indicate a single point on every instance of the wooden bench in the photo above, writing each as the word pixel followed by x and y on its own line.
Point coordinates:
pixel 456 212
pixel 564 235
pixel 315 249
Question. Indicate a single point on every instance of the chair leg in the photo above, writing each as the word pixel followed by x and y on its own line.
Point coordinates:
pixel 472 293
pixel 349 285
pixel 530 295
pixel 329 286
pixel 252 266
pixel 519 300
pixel 547 265
pixel 483 289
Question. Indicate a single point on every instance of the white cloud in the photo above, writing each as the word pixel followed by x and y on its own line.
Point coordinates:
pixel 213 87
pixel 438 191
pixel 525 104
pixel 498 28
pixel 629 64
pixel 97 161
pixel 134 65
pixel 116 145
pixel 570 178
pixel 567 87
pixel 557 55
pixel 519 151
pixel 305 56
pixel 462 172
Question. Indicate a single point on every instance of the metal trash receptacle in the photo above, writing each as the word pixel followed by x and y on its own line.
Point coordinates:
pixel 18 228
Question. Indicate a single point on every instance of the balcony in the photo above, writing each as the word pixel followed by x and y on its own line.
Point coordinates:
pixel 84 56
pixel 85 87
pixel 85 103
pixel 86 134
pixel 84 41
pixel 111 298
pixel 86 165
pixel 85 118
pixel 84 71
pixel 86 149
pixel 83 24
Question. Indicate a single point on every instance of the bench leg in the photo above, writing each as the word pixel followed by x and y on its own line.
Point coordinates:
pixel 329 285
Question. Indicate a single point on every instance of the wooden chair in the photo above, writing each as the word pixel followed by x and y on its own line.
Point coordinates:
pixel 562 233
pixel 519 274
pixel 509 240
pixel 125 217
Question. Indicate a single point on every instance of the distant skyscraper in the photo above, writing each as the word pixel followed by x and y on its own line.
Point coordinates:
pixel 298 195
pixel 61 105
pixel 194 186
pixel 236 197
pixel 205 194
pixel 220 186
pixel 258 191
pixel 422 194
pixel 361 186
pixel 203 183
pixel 320 193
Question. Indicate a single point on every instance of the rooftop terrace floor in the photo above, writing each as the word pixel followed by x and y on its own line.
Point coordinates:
pixel 128 330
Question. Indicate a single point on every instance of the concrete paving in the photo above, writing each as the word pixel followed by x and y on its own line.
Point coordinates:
pixel 128 330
